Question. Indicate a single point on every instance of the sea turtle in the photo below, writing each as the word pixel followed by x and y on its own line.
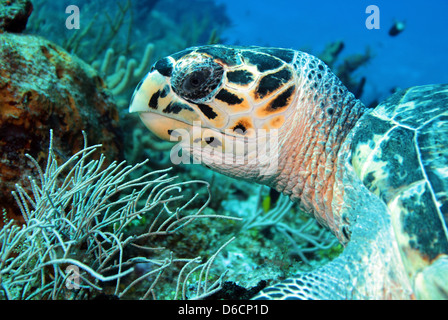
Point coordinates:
pixel 377 178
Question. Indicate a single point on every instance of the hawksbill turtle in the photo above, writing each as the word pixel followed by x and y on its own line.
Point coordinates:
pixel 377 178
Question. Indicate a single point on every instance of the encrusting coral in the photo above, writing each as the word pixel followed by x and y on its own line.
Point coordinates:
pixel 14 15
pixel 43 87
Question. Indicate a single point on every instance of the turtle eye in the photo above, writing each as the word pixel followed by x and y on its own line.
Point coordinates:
pixel 196 82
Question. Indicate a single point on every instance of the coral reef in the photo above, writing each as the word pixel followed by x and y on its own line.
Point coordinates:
pixel 312 238
pixel 14 15
pixel 122 79
pixel 43 87
pixel 122 33
pixel 124 40
pixel 132 231
pixel 78 240
pixel 270 246
pixel 130 234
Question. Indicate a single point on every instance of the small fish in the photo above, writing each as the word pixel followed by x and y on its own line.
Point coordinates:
pixel 397 28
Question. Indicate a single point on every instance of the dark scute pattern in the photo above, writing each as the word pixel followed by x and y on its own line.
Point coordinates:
pixel 164 67
pixel 426 102
pixel 433 142
pixel 240 129
pixel 425 108
pixel 153 101
pixel 423 225
pixel 166 90
pixel 211 141
pixel 399 144
pixel 282 100
pixel 227 55
pixel 369 126
pixel 228 97
pixel 273 82
pixel 207 111
pixel 263 62
pixel 240 77
pixel 287 55
pixel 415 150
pixel 176 107
pixel 368 182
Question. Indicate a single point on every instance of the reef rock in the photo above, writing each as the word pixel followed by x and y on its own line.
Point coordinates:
pixel 43 87
pixel 14 15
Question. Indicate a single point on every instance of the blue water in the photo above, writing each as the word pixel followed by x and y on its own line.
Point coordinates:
pixel 416 56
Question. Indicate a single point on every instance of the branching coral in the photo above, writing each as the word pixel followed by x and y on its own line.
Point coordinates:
pixel 98 32
pixel 125 74
pixel 304 238
pixel 127 30
pixel 84 225
pixel 144 142
pixel 106 36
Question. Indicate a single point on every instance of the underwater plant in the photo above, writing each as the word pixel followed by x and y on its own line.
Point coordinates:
pixel 305 237
pixel 78 239
pixel 128 34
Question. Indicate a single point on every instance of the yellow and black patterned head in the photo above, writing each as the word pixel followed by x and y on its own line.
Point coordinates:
pixel 236 90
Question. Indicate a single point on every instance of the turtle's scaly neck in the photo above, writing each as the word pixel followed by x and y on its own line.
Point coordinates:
pixel 310 150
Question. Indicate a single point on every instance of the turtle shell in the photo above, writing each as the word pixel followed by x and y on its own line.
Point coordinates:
pixel 400 152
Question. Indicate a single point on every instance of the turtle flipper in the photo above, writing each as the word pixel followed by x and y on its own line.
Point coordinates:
pixel 432 282
pixel 358 273
pixel 317 285
pixel 368 268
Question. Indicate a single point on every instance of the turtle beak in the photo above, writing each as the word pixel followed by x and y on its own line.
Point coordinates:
pixel 159 108
pixel 141 99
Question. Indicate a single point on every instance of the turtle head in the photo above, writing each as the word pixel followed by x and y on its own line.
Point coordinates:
pixel 274 116
pixel 236 98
